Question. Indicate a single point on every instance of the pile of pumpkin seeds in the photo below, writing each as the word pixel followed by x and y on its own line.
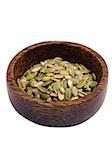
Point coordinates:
pixel 57 80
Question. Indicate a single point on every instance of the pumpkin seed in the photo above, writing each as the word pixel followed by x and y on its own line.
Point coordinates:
pixel 64 72
pixel 46 78
pixel 64 84
pixel 55 79
pixel 81 83
pixel 47 83
pixel 60 96
pixel 70 84
pixel 67 77
pixel 78 66
pixel 74 81
pixel 74 91
pixel 85 70
pixel 93 84
pixel 68 93
pixel 34 83
pixel 57 58
pixel 62 90
pixel 44 96
pixel 49 74
pixel 78 72
pixel 49 99
pixel 30 76
pixel 58 76
pixel 53 94
pixel 56 86
pixel 48 70
pixel 36 69
pixel 42 89
pixel 58 68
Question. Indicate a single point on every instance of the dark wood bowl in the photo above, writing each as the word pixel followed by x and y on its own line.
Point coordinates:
pixel 64 113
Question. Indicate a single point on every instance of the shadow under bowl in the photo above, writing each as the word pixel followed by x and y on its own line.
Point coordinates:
pixel 61 113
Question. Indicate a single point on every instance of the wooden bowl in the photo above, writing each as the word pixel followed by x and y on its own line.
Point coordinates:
pixel 64 113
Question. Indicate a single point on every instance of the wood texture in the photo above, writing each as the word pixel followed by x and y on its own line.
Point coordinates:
pixel 58 114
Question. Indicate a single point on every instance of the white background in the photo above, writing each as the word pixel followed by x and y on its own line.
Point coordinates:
pixel 25 22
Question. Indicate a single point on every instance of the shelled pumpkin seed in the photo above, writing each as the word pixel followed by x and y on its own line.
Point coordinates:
pixel 57 80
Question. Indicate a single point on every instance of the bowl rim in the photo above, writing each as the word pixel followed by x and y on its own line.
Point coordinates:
pixel 12 83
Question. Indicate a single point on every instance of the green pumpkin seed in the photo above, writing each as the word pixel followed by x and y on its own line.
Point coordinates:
pixel 86 77
pixel 78 72
pixel 78 66
pixel 31 76
pixel 74 81
pixel 42 89
pixel 64 72
pixel 68 93
pixel 38 78
pixel 56 86
pixel 44 96
pixel 49 74
pixel 74 91
pixel 78 78
pixel 64 84
pixel 81 83
pixel 47 83
pixel 48 70
pixel 24 82
pixel 93 84
pixel 85 70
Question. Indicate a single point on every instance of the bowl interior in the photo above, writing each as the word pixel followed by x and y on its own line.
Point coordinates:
pixel 69 52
